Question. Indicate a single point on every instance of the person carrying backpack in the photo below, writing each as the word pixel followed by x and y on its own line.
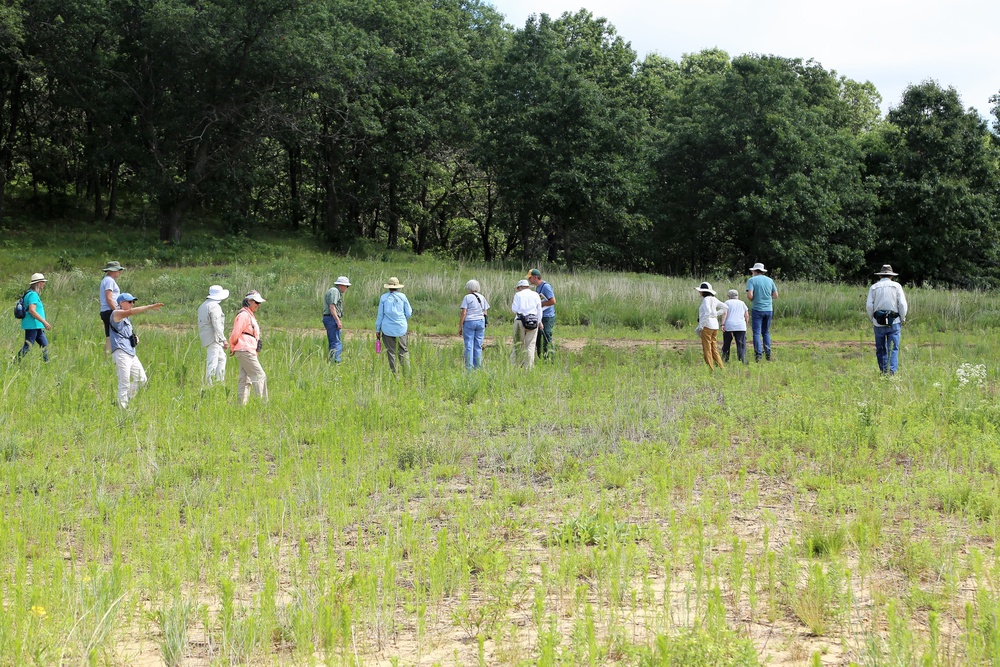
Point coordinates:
pixel 527 309
pixel 34 323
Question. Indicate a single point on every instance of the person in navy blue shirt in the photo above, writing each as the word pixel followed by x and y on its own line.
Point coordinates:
pixel 543 343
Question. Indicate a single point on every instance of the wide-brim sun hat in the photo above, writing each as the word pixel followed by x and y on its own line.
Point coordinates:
pixel 113 266
pixel 886 271
pixel 217 293
pixel 125 296
pixel 254 295
pixel 523 283
pixel 706 287
pixel 758 267
pixel 393 283
pixel 342 280
pixel 37 278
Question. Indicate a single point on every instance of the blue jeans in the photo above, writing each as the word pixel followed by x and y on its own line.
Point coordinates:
pixel 760 320
pixel 32 336
pixel 887 347
pixel 333 338
pixel 543 341
pixel 472 335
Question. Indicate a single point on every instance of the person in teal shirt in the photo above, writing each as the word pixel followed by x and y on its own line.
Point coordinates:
pixel 761 291
pixel 34 323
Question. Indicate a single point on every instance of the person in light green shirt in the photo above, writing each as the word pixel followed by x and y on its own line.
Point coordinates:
pixel 34 323
pixel 333 313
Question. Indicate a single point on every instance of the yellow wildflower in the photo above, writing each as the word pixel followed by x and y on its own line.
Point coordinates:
pixel 38 611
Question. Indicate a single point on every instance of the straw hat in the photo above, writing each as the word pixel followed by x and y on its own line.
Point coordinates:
pixel 113 266
pixel 706 287
pixel 393 283
pixel 37 278
pixel 216 293
pixel 758 267
pixel 886 271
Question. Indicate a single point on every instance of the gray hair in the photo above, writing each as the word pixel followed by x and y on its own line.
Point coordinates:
pixel 472 286
pixel 732 294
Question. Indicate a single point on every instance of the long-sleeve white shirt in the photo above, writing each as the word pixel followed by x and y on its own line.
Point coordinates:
pixel 526 302
pixel 211 323
pixel 708 313
pixel 886 295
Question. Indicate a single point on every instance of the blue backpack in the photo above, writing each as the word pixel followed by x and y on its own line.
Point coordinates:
pixel 19 310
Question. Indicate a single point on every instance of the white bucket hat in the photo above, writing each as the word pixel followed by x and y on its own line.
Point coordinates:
pixel 342 280
pixel 706 287
pixel 523 283
pixel 37 278
pixel 216 293
pixel 758 267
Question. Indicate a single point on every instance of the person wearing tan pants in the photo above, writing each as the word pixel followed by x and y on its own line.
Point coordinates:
pixel 245 344
pixel 709 324
pixel 527 307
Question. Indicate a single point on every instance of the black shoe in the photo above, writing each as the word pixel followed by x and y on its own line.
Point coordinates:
pixel 756 357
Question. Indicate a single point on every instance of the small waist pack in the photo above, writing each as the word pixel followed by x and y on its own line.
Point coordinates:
pixel 886 318
pixel 529 322
pixel 133 340
pixel 260 345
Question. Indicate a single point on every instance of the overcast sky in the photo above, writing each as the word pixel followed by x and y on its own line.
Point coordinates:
pixel 891 43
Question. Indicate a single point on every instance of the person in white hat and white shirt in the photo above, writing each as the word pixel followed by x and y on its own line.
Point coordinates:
pixel 211 329
pixel 709 324
pixel 527 309
pixel 887 308
pixel 333 314
pixel 761 291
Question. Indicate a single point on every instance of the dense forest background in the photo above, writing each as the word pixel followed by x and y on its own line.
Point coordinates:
pixel 430 125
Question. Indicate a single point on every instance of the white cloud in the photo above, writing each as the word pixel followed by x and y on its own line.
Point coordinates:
pixel 890 43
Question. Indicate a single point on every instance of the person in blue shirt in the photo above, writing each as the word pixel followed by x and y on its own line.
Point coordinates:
pixel 34 323
pixel 761 292
pixel 390 325
pixel 543 342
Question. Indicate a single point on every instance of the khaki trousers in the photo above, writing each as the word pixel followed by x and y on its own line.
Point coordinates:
pixel 524 345
pixel 395 347
pixel 251 375
pixel 709 348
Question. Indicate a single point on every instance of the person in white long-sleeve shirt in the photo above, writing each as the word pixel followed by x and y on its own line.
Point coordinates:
pixel 527 307
pixel 211 325
pixel 887 309
pixel 709 324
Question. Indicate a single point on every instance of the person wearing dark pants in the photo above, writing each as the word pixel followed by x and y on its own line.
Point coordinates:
pixel 735 328
pixel 34 323
pixel 543 342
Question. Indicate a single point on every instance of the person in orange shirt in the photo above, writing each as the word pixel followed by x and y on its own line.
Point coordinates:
pixel 245 344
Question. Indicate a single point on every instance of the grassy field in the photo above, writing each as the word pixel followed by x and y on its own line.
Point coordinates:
pixel 619 506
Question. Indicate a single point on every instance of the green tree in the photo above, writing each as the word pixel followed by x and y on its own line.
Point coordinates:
pixel 760 163
pixel 937 166
pixel 563 130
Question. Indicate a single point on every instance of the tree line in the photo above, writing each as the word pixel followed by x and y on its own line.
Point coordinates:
pixel 434 126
